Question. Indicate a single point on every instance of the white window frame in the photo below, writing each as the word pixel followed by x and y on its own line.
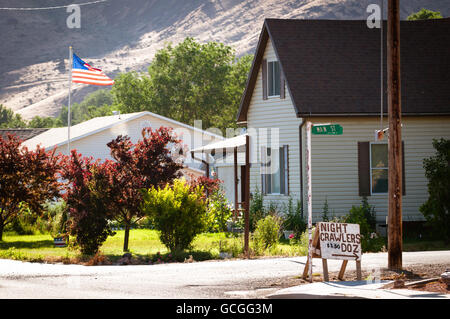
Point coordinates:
pixel 266 170
pixel 386 168
pixel 268 80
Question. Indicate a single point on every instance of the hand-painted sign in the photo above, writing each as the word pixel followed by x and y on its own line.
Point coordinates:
pixel 327 129
pixel 339 241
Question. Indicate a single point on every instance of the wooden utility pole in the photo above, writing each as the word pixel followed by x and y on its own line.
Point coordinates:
pixel 395 137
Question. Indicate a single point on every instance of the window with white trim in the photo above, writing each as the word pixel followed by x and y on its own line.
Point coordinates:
pixel 273 78
pixel 379 168
pixel 275 170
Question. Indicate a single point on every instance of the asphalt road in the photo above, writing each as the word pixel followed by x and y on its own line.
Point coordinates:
pixel 212 279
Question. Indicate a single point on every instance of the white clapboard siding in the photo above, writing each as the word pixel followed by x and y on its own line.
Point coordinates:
pixel 275 113
pixel 335 164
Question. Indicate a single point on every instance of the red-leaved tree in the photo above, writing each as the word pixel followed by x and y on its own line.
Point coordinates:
pixel 87 185
pixel 210 185
pixel 28 179
pixel 139 166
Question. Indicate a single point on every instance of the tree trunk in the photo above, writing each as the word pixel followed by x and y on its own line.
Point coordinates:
pixel 1 232
pixel 127 236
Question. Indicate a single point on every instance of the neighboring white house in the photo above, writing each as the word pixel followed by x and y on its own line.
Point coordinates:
pixel 90 138
pixel 328 71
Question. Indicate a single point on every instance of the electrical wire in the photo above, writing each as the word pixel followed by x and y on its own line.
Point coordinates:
pixel 56 7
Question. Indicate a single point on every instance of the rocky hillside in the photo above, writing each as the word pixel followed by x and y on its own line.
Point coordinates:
pixel 119 36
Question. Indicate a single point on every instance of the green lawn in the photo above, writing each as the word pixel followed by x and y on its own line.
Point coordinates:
pixel 144 243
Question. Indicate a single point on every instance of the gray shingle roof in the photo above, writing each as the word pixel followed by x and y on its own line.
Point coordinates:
pixel 332 67
pixel 22 133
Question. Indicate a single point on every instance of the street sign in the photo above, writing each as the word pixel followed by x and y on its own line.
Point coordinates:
pixel 339 241
pixel 327 129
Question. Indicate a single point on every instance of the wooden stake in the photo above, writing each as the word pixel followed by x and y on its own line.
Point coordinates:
pixel 325 270
pixel 342 271
pixel 395 138
pixel 358 270
pixel 306 269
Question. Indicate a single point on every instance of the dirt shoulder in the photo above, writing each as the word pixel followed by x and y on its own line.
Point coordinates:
pixel 409 274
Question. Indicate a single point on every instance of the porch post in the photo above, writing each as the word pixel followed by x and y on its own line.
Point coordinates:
pixel 236 183
pixel 247 196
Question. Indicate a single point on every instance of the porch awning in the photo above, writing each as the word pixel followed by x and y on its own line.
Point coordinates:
pixel 238 141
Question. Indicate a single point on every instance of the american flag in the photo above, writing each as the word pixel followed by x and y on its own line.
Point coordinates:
pixel 84 73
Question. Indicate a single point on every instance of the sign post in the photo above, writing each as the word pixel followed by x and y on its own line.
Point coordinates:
pixel 317 129
pixel 308 176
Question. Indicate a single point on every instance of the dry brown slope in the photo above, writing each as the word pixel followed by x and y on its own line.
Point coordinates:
pixel 119 36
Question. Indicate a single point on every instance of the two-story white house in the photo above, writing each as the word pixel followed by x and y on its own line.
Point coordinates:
pixel 328 71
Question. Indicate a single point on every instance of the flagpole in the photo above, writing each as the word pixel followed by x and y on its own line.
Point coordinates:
pixel 68 111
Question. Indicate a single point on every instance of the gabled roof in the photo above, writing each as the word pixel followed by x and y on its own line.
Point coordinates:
pixel 332 67
pixel 22 133
pixel 56 137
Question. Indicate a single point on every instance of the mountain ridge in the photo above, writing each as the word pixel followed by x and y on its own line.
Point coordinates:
pixel 127 34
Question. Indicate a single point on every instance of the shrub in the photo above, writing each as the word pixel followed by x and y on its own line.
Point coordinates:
pixel 364 215
pixel 219 212
pixel 302 242
pixel 210 185
pixel 293 219
pixel 23 223
pixel 86 201
pixel 325 212
pixel 57 218
pixel 437 207
pixel 257 209
pixel 272 209
pixel 232 246
pixel 90 228
pixel 178 212
pixel 267 233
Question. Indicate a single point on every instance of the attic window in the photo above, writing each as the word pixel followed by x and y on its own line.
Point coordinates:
pixel 273 78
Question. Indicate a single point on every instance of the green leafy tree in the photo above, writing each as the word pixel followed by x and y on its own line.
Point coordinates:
pixel 437 170
pixel 47 122
pixel 424 14
pixel 187 82
pixel 95 104
pixel 10 120
pixel 131 92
